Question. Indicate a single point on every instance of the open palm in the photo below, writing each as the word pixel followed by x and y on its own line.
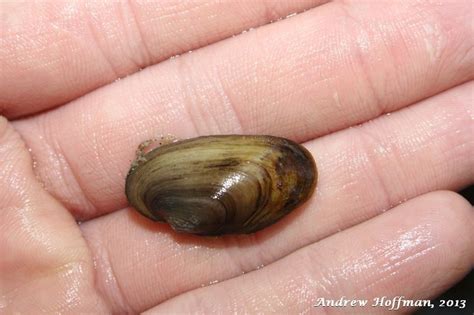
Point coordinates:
pixel 379 223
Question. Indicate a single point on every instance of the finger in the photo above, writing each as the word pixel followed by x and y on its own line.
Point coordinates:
pixel 43 252
pixel 409 252
pixel 52 53
pixel 362 172
pixel 84 150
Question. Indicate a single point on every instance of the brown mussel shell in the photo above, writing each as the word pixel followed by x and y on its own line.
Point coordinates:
pixel 227 184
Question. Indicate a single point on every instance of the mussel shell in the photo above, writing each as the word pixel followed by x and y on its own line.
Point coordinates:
pixel 215 185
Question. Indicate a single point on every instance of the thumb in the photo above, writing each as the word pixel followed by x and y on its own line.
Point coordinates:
pixel 45 264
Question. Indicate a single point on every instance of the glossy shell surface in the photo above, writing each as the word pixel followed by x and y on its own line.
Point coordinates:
pixel 228 184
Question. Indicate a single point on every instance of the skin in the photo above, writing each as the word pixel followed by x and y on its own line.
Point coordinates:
pixel 380 93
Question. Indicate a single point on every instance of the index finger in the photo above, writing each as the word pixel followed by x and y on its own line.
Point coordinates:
pixel 84 149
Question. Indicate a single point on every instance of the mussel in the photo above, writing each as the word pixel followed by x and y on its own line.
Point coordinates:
pixel 225 184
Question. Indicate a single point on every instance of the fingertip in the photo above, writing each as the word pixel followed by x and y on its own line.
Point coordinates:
pixel 451 219
pixel 449 211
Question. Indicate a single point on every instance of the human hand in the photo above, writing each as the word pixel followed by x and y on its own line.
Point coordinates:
pixel 379 223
